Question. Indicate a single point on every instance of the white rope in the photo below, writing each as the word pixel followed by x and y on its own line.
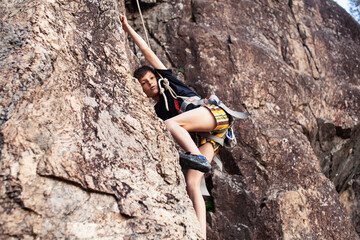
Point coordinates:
pixel 167 87
pixel 142 20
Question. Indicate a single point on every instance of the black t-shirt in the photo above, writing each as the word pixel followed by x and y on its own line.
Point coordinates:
pixel 180 89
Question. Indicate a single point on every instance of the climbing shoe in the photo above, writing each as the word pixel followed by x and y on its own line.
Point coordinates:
pixel 197 162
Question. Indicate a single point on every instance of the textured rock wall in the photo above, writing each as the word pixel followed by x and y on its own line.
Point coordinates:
pixel 294 65
pixel 82 154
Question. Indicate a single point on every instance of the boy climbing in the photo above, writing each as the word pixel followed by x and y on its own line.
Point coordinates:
pixel 159 84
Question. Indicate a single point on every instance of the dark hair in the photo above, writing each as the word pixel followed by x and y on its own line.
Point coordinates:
pixel 141 71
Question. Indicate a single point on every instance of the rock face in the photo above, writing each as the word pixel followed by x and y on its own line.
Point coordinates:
pixel 83 155
pixel 294 65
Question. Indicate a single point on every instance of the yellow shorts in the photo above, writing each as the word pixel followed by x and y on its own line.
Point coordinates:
pixel 222 122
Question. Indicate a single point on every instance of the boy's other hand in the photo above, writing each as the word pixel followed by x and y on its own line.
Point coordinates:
pixel 124 22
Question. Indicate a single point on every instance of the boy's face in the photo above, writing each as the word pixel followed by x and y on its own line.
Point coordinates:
pixel 149 85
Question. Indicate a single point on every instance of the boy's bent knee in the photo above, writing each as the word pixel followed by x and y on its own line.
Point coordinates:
pixel 170 123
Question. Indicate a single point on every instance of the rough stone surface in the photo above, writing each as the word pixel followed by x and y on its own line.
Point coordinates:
pixel 294 65
pixel 82 154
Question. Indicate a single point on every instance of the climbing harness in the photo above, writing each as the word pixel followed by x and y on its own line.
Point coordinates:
pixel 213 99
pixel 229 140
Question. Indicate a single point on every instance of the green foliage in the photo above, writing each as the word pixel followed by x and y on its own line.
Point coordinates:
pixel 209 206
pixel 182 71
pixel 355 9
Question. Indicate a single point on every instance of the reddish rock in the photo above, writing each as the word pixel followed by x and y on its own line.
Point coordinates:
pixel 294 66
pixel 83 155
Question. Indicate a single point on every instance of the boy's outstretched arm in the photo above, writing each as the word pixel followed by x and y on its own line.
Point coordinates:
pixel 139 41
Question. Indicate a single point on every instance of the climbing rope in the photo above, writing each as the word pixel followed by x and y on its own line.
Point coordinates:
pixel 142 20
pixel 167 87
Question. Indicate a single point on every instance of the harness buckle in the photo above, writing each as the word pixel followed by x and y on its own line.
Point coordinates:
pixel 213 99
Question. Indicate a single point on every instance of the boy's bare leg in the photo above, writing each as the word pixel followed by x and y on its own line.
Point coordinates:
pixel 193 180
pixel 197 120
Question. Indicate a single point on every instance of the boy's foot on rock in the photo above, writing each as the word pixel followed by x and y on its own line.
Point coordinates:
pixel 197 162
